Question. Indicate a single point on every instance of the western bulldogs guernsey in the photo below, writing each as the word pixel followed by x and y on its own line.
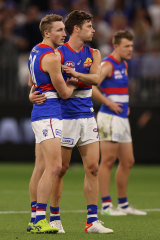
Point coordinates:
pixel 51 108
pixel 116 87
pixel 79 105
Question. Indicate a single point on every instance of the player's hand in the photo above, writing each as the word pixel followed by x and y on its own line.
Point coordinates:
pixel 37 98
pixel 70 71
pixel 72 82
pixel 115 107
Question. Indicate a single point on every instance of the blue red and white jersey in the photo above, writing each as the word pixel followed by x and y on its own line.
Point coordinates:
pixel 51 108
pixel 79 105
pixel 116 87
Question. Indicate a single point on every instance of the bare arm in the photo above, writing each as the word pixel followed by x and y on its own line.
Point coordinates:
pixel 93 76
pixel 106 71
pixel 35 96
pixel 51 64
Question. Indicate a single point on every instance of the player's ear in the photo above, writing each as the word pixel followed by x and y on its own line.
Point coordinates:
pixel 76 28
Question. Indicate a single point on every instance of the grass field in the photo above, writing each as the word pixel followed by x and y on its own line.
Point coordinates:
pixel 144 193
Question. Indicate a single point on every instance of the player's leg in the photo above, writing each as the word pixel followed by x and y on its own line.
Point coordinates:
pixel 109 152
pixel 51 150
pixel 126 161
pixel 90 158
pixel 36 175
pixel 55 219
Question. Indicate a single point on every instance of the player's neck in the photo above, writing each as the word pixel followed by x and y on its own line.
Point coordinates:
pixel 116 56
pixel 49 43
pixel 76 44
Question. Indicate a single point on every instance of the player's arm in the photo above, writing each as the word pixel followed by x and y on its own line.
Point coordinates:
pixel 35 96
pixel 106 71
pixel 94 74
pixel 51 64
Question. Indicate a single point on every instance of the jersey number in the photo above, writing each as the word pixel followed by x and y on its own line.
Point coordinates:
pixel 32 61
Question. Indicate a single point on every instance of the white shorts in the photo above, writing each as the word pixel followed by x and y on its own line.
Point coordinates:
pixel 79 132
pixel 113 128
pixel 47 128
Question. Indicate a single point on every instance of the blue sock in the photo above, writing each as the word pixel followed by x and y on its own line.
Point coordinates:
pixel 40 212
pixel 33 211
pixel 91 213
pixel 54 213
pixel 123 202
pixel 106 202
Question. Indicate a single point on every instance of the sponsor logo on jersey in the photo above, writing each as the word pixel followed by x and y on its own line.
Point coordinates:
pixel 58 132
pixel 88 62
pixel 68 141
pixel 117 74
pixel 45 132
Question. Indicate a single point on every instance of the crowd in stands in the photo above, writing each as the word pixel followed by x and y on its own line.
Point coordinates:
pixel 19 32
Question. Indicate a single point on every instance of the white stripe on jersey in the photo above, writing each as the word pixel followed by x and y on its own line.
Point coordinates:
pixel 119 98
pixel 82 93
pixel 51 95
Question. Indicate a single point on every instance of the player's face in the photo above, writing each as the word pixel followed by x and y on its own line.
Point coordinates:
pixel 125 49
pixel 57 33
pixel 86 31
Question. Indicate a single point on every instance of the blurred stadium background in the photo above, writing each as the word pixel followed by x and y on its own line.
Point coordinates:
pixel 19 32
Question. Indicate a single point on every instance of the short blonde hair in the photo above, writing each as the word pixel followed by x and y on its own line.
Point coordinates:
pixel 46 22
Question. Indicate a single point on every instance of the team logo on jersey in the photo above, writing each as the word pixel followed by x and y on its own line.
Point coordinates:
pixel 95 130
pixel 88 62
pixel 58 132
pixel 70 64
pixel 117 74
pixel 45 132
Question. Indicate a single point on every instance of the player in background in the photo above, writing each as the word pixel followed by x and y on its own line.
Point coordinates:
pixel 79 125
pixel 113 125
pixel 45 74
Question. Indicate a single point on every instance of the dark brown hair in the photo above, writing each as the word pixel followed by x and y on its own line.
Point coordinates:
pixel 46 22
pixel 119 35
pixel 76 17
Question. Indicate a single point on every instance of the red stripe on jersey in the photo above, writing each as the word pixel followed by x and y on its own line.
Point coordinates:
pixel 61 55
pixel 46 87
pixel 41 59
pixel 44 46
pixel 115 90
pixel 110 56
pixel 67 45
pixel 83 85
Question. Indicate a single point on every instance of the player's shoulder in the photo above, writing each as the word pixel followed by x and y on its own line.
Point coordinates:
pixel 51 58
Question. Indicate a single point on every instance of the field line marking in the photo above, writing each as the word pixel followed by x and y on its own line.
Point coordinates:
pixel 70 211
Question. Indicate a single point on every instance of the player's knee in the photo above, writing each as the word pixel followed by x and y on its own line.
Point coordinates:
pixel 109 161
pixel 55 169
pixel 131 162
pixel 63 170
pixel 93 169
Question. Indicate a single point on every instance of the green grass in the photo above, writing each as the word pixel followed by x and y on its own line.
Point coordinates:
pixel 143 193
